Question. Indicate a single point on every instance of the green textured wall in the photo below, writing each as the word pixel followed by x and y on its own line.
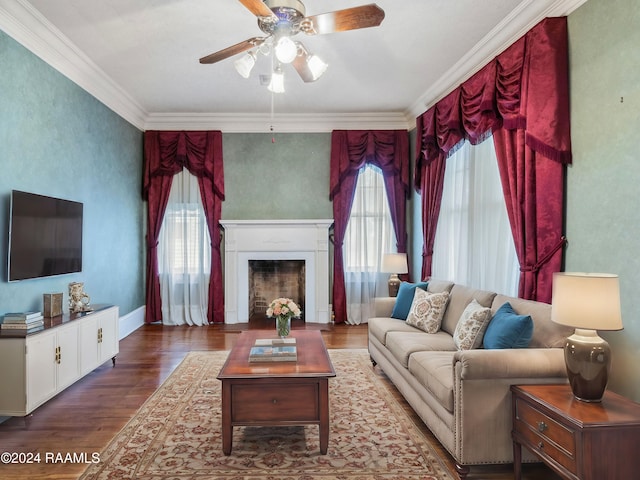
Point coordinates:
pixel 58 140
pixel 603 218
pixel 285 179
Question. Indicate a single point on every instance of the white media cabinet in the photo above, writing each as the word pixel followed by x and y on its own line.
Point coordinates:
pixel 37 366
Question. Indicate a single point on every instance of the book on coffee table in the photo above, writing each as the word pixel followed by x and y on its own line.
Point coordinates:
pixel 270 342
pixel 273 353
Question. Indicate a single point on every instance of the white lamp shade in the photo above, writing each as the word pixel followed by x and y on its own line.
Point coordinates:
pixel 394 263
pixel 277 82
pixel 588 301
pixel 317 66
pixel 286 50
pixel 245 63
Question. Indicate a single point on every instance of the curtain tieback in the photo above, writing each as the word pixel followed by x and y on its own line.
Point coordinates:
pixel 538 265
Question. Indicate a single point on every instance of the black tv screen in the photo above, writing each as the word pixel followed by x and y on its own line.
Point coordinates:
pixel 45 236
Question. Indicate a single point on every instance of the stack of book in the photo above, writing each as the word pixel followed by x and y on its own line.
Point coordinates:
pixel 23 322
pixel 274 350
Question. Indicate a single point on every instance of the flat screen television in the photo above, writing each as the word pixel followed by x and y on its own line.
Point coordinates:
pixel 45 236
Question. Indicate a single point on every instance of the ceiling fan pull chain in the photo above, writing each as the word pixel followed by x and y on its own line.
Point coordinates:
pixel 273 138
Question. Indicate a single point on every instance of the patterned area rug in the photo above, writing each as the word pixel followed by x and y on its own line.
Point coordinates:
pixel 176 434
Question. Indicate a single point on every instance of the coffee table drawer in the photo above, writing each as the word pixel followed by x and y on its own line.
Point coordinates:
pixel 275 402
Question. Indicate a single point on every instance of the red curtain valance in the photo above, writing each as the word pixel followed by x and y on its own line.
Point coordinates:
pixel 525 87
pixel 352 149
pixel 168 152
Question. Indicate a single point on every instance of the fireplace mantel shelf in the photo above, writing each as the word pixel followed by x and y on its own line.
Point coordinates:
pixel 240 223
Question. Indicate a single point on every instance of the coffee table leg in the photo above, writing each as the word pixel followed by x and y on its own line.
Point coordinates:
pixel 227 429
pixel 324 415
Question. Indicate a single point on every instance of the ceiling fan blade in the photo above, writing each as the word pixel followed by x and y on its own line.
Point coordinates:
pixel 258 8
pixel 364 16
pixel 233 50
pixel 302 67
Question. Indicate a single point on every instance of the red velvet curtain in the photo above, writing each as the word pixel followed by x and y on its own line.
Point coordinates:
pixel 351 150
pixel 430 181
pixel 167 153
pixel 522 98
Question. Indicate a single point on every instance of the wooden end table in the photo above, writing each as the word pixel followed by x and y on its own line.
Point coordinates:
pixel 276 393
pixel 578 440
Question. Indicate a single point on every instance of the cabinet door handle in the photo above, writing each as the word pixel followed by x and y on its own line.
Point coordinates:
pixel 542 426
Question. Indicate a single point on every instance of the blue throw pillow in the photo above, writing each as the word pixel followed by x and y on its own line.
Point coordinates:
pixel 507 329
pixel 405 299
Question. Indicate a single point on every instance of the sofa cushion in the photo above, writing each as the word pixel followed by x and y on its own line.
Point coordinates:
pixel 427 310
pixel 405 298
pixel 546 333
pixel 471 326
pixel 507 329
pixel 379 327
pixel 461 296
pixel 402 344
pixel 434 371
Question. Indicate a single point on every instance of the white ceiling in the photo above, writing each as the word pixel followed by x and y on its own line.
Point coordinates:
pixel 140 57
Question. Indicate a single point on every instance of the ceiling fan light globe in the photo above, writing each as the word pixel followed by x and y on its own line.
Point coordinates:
pixel 245 64
pixel 286 50
pixel 317 66
pixel 276 85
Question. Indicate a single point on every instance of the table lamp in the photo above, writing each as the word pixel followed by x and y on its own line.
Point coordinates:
pixel 587 302
pixel 394 263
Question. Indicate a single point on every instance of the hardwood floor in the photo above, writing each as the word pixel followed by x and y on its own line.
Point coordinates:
pixel 82 419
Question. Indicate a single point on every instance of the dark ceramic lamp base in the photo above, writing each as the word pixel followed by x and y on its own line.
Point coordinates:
pixel 588 359
pixel 394 284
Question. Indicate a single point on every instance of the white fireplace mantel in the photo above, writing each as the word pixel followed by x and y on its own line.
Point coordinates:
pixel 306 240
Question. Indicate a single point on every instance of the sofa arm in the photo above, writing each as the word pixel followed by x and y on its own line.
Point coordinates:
pixel 383 306
pixel 510 363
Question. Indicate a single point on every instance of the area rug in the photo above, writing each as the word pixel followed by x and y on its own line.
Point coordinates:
pixel 176 434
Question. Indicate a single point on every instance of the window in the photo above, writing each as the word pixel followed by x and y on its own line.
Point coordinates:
pixel 184 234
pixel 370 231
pixel 474 244
pixel 368 237
pixel 184 255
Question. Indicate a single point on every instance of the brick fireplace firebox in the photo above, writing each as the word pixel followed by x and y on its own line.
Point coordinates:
pixel 302 241
pixel 269 279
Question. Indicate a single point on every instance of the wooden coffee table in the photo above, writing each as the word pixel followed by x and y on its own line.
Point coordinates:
pixel 276 393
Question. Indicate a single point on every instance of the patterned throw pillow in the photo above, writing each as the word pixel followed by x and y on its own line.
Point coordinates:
pixel 471 326
pixel 427 310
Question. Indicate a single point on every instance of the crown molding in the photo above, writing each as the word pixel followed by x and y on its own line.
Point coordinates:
pixel 27 26
pixel 511 28
pixel 265 123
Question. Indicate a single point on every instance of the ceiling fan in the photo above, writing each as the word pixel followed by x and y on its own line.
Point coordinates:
pixel 282 19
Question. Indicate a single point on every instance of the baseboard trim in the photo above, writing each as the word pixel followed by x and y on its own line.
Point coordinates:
pixel 130 322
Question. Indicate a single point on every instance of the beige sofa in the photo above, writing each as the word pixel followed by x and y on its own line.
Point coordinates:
pixel 463 395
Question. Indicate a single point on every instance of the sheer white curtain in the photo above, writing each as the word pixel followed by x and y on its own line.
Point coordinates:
pixel 184 255
pixel 368 237
pixel 473 244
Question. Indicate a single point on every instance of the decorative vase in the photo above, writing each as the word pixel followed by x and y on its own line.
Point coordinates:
pixel 283 325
